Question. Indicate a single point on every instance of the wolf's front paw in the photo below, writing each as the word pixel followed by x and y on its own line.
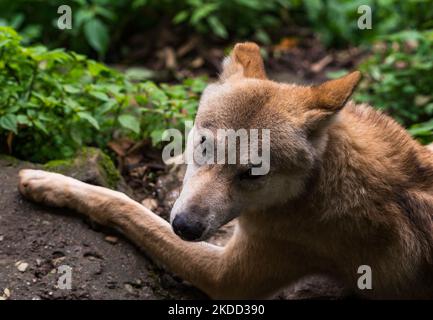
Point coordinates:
pixel 46 187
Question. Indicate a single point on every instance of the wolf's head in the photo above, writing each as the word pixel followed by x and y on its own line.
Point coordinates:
pixel 244 101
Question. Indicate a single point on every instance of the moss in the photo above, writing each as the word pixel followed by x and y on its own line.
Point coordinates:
pixel 9 160
pixel 107 166
pixel 90 165
pixel 59 165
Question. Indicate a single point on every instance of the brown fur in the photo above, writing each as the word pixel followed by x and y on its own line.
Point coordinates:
pixel 347 187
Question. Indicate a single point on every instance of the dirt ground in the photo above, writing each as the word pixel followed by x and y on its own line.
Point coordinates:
pixel 38 240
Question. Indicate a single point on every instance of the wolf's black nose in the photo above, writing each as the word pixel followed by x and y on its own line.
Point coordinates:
pixel 187 229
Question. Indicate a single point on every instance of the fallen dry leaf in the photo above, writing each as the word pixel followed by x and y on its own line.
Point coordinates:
pixel 286 44
pixel 120 146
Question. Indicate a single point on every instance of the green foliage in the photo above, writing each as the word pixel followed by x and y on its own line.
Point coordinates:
pixel 172 105
pixel 241 18
pixel 92 22
pixel 99 25
pixel 336 21
pixel 53 102
pixel 423 131
pixel 398 79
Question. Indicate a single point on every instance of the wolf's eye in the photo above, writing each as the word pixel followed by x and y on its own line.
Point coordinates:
pixel 248 175
pixel 202 141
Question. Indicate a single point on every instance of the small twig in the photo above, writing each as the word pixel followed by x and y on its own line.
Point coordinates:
pixel 9 141
pixel 321 64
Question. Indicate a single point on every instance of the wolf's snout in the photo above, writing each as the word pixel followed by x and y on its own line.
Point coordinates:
pixel 186 228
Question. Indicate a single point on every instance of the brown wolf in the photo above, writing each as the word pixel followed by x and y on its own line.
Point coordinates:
pixel 347 187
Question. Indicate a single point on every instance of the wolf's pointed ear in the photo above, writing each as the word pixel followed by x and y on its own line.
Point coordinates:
pixel 245 60
pixel 333 94
pixel 327 99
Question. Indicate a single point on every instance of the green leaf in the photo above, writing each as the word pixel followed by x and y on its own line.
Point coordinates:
pixel 23 119
pixel 203 11
pixel 262 36
pixel 156 136
pixel 82 16
pixel 89 118
pixel 76 136
pixel 421 128
pixel 336 74
pixel 107 106
pixel 141 100
pixel 217 27
pixel 71 89
pixel 180 17
pixel 138 3
pixel 38 124
pixel 100 95
pixel 5 42
pixel 130 122
pixel 9 122
pixel 96 33
pixel 105 13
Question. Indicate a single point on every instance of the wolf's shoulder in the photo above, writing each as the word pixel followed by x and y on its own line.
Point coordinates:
pixel 372 117
pixel 365 112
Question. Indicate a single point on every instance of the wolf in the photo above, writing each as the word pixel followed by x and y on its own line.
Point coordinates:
pixel 347 187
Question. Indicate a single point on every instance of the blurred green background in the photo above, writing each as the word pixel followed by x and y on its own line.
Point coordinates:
pixel 56 97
